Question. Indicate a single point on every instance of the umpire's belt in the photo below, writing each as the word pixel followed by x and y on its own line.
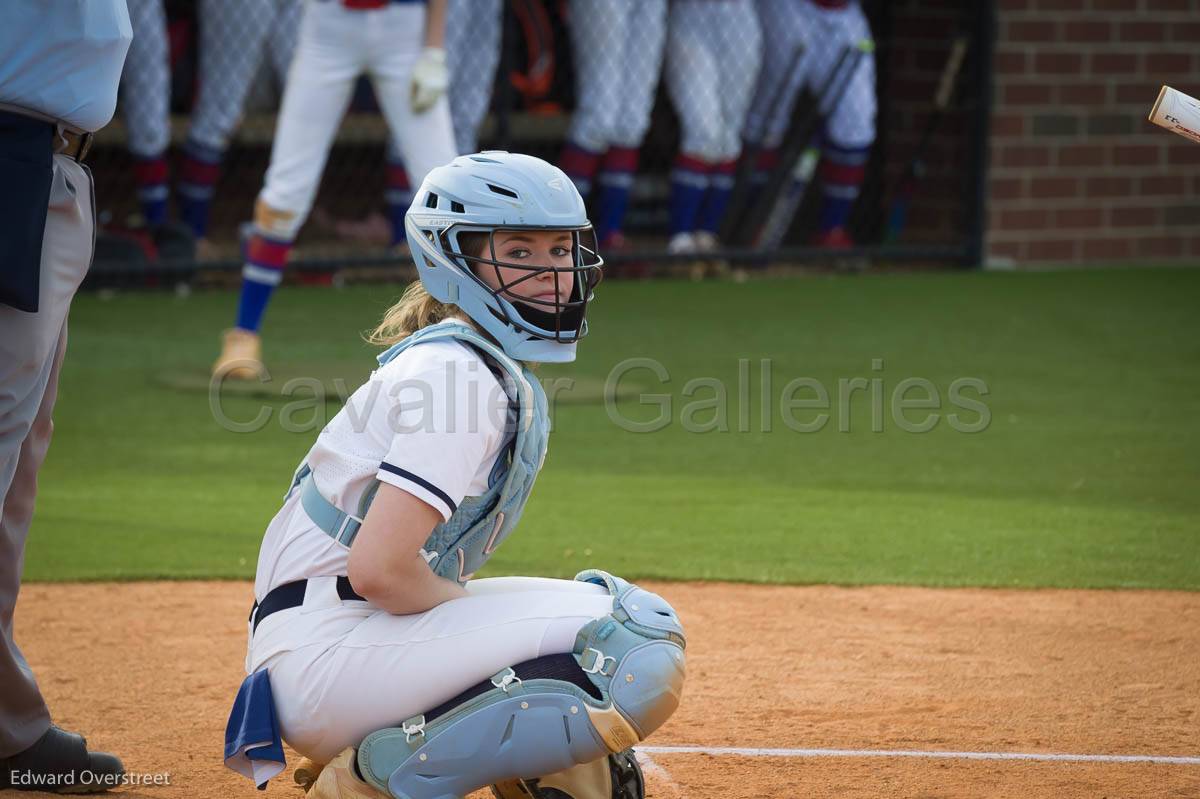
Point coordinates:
pixel 73 145
pixel 68 139
pixel 291 595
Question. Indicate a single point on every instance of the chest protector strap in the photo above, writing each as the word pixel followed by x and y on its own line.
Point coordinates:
pixel 461 545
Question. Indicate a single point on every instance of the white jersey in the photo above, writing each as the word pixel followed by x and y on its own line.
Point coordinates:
pixel 431 421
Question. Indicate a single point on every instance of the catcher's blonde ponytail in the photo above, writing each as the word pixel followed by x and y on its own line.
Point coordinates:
pixel 417 309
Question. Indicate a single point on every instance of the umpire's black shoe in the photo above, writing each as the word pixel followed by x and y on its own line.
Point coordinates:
pixel 60 763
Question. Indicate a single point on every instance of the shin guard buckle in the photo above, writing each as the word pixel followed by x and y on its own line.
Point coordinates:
pixel 601 663
pixel 413 728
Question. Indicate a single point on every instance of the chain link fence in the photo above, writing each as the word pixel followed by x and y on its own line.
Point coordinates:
pixel 752 132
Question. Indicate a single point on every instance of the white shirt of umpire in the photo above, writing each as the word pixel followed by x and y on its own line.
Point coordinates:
pixel 431 422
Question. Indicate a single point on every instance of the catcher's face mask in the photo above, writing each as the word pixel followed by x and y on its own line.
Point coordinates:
pixel 547 274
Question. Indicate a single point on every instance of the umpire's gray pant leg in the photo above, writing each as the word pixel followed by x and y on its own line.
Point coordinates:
pixel 31 353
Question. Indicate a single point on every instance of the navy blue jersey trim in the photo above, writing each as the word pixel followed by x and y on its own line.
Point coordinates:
pixel 425 484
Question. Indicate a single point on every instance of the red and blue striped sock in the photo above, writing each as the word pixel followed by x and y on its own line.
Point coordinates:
pixel 266 259
pixel 197 184
pixel 765 163
pixel 151 176
pixel 616 181
pixel 842 171
pixel 580 165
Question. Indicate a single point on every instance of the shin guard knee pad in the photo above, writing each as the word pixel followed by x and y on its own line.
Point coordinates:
pixel 524 726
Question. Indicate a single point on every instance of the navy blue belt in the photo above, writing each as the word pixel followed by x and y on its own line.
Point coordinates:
pixel 291 595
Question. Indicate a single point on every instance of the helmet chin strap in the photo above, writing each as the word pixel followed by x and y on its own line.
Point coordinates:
pixel 568 321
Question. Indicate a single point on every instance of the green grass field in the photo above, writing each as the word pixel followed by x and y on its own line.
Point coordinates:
pixel 1087 473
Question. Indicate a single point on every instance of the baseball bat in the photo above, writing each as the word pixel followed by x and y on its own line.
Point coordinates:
pixel 898 213
pixel 780 204
pixel 779 217
pixel 1177 112
pixel 735 213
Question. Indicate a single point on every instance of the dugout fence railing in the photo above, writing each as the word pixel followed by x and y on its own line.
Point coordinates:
pixel 911 194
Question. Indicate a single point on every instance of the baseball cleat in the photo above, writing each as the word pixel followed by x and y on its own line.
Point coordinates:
pixel 241 356
pixel 306 773
pixel 339 780
pixel 835 239
pixel 706 241
pixel 681 243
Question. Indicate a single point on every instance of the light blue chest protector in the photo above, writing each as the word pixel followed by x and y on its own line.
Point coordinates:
pixel 460 546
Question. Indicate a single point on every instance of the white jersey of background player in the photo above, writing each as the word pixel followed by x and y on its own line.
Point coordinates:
pixel 234 40
pixel 713 49
pixel 617 46
pixel 361 636
pixel 399 45
pixel 823 28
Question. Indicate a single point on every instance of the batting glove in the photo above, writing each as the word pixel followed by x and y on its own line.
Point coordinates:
pixel 429 79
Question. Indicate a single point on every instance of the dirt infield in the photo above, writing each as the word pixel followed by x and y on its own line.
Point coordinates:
pixel 148 670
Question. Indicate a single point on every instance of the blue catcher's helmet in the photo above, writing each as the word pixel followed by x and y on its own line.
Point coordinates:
pixel 491 191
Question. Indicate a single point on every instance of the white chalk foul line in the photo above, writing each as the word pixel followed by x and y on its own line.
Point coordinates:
pixel 651 767
pixel 1034 756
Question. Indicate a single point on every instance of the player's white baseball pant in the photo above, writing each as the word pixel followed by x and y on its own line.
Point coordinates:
pixel 821 34
pixel 340 671
pixel 231 38
pixel 145 81
pixel 337 45
pixel 617 47
pixel 473 30
pixel 713 55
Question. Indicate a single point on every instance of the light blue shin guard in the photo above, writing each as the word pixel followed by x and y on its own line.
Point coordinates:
pixel 518 729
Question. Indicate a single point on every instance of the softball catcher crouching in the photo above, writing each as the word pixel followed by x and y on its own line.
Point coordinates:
pixel 372 651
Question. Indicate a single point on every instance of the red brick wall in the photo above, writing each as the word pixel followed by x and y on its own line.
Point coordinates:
pixel 1076 173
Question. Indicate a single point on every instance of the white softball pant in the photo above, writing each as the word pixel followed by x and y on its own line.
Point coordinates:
pixel 146 81
pixel 713 55
pixel 821 34
pixel 336 45
pixel 341 671
pixel 618 50
pixel 231 38
pixel 473 30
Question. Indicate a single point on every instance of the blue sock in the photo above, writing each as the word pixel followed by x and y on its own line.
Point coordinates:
pixel 197 183
pixel 842 171
pixel 614 199
pixel 616 180
pixel 253 303
pixel 835 211
pixel 720 189
pixel 265 262
pixel 151 176
pixel 689 181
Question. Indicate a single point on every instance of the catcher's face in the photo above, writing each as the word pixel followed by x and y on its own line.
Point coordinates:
pixel 541 271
